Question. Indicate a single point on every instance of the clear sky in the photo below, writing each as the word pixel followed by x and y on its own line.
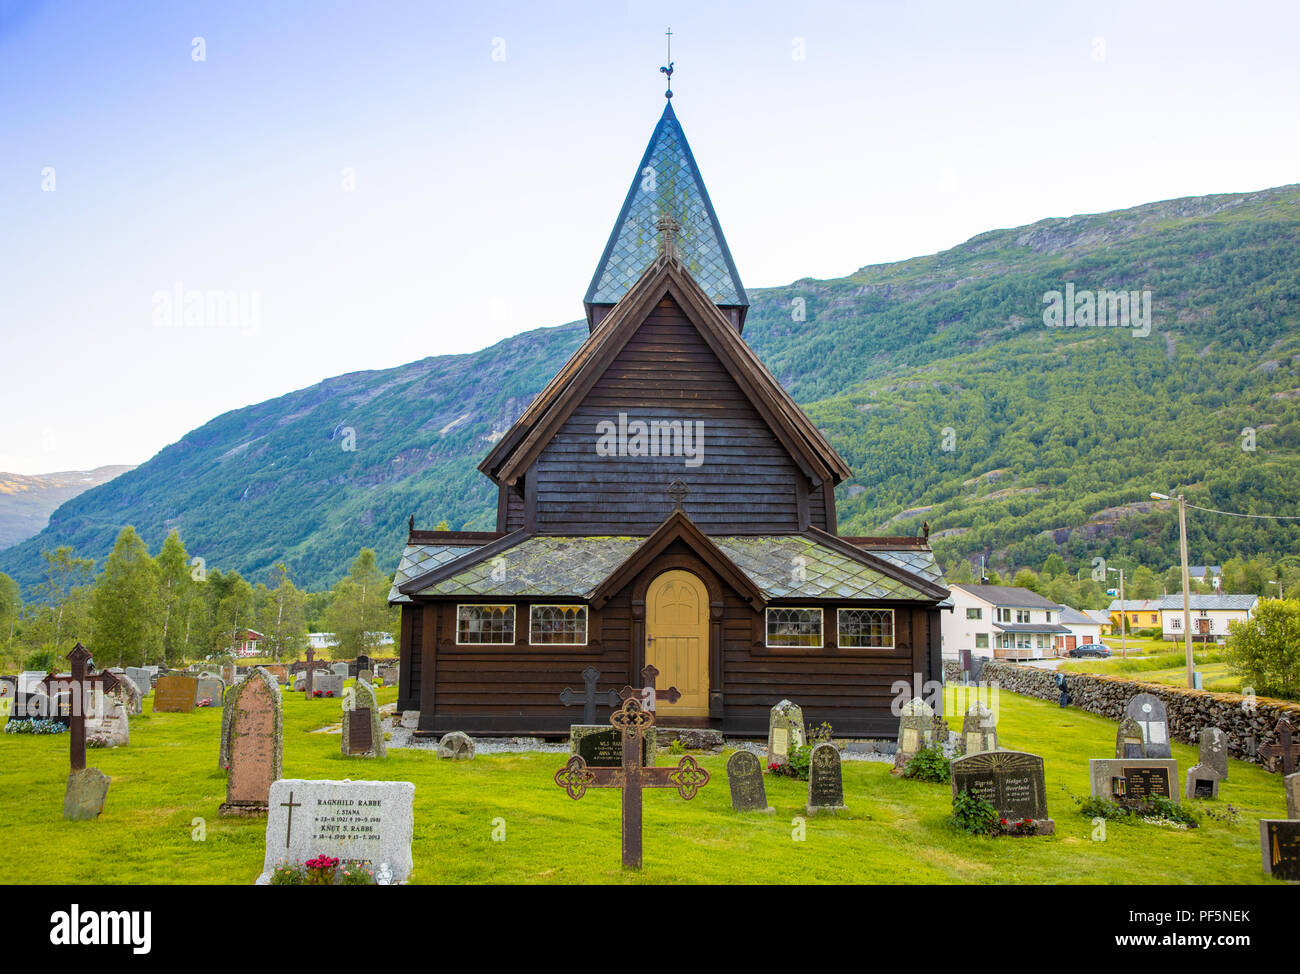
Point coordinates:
pixel 382 181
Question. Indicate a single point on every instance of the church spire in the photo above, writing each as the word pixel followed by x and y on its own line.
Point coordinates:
pixel 667 184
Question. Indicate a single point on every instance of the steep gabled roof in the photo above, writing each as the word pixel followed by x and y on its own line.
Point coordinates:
pixel 1008 596
pixel 522 444
pixel 667 182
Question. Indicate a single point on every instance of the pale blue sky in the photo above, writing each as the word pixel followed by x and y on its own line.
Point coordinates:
pixel 485 185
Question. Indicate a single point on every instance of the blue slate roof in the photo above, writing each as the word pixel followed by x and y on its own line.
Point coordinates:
pixel 667 181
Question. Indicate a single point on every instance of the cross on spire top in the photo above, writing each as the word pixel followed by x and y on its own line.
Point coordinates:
pixel 668 71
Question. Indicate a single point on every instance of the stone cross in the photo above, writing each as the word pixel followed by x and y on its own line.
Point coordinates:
pixel 1285 750
pixel 589 698
pixel 648 693
pixel 311 668
pixel 632 720
pixel 82 682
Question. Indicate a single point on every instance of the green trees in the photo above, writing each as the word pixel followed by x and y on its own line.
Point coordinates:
pixel 281 615
pixel 1265 649
pixel 358 614
pixel 124 616
pixel 11 607
pixel 60 615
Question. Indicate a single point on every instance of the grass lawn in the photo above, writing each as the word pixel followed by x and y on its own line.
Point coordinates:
pixel 1158 662
pixel 894 831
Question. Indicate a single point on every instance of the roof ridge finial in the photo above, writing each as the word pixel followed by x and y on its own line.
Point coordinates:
pixel 669 70
pixel 668 228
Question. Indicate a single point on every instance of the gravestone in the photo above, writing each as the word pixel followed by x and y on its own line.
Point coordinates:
pixel 107 723
pixel 979 731
pixel 1202 782
pixel 745 775
pixel 175 695
pixel 363 737
pixel 1133 777
pixel 784 732
pixel 366 822
pixel 131 696
pixel 1129 742
pixel 825 781
pixel 327 686
pixel 256 741
pixel 601 745
pixel 278 673
pixel 915 731
pixel 363 662
pixel 1214 751
pixel 6 708
pixel 339 670
pixel 299 682
pixel 1279 843
pixel 210 688
pixel 1149 711
pixel 1292 782
pixel 456 746
pixel 1013 782
pixel 141 677
pixel 83 801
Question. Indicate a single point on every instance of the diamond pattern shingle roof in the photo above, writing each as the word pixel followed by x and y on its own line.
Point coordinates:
pixel 667 181
pixel 781 566
pixel 420 558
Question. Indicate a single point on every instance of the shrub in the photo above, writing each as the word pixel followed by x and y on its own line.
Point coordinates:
pixel 1154 809
pixel 1265 649
pixel 797 762
pixel 974 815
pixel 355 874
pixel 929 764
pixel 677 747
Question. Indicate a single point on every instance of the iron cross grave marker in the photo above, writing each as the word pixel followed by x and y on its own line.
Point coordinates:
pixel 632 720
pixel 589 697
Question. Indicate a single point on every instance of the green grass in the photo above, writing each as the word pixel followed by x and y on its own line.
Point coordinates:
pixel 894 831
pixel 1160 662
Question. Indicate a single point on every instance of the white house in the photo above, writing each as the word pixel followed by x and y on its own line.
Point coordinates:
pixel 1083 629
pixel 1000 622
pixel 1210 615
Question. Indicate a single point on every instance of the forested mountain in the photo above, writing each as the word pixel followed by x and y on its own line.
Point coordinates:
pixel 936 378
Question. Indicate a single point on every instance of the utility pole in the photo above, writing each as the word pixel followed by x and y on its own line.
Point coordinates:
pixel 1123 616
pixel 1187 581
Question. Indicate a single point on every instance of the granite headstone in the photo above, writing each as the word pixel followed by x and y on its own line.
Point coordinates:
pixel 745 775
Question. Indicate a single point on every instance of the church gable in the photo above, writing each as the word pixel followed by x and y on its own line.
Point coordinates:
pixel 666 409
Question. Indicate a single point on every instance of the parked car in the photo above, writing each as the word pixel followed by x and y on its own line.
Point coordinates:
pixel 1090 649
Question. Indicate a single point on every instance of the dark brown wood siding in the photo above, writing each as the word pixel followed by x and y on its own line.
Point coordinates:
pixel 746 483
pixel 515 689
pixel 408 689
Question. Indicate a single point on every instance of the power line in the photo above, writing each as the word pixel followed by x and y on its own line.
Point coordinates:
pixel 1261 517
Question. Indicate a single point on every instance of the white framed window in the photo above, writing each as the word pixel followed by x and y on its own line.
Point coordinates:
pixel 981 640
pixel 1022 615
pixel 866 628
pixel 485 625
pixel 557 625
pixel 1004 615
pixel 974 613
pixel 1049 616
pixel 1175 623
pixel 794 628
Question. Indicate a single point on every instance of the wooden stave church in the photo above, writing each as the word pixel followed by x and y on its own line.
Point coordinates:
pixel 654 559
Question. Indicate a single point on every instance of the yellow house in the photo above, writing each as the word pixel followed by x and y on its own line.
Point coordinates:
pixel 1140 613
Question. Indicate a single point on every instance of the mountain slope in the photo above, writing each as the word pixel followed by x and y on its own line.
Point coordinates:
pixel 935 377
pixel 27 500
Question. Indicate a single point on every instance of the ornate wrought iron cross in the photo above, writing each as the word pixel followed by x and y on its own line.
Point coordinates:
pixel 82 684
pixel 648 694
pixel 589 698
pixel 678 490
pixel 633 721
pixel 311 667
pixel 1285 750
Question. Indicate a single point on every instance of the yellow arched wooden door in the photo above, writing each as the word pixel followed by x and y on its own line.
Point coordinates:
pixel 677 641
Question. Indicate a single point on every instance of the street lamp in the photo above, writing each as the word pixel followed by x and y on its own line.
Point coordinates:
pixel 1123 617
pixel 1278 583
pixel 1187 582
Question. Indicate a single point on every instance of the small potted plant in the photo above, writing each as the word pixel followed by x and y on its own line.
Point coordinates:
pixel 288 874
pixel 320 871
pixel 356 874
